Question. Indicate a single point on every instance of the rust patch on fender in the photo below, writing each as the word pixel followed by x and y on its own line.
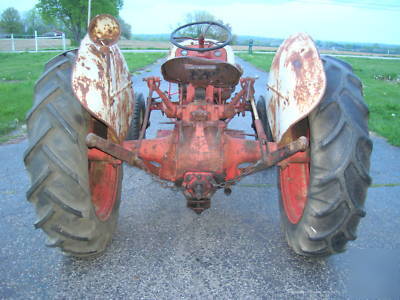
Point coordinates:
pixel 296 83
pixel 101 80
pixel 104 30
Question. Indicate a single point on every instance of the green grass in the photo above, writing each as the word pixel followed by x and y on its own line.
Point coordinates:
pixel 146 48
pixel 18 73
pixel 381 94
pixel 137 61
pixel 260 60
pixel 385 185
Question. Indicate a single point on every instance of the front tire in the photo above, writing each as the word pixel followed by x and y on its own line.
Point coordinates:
pixel 322 201
pixel 62 178
pixel 262 114
pixel 137 117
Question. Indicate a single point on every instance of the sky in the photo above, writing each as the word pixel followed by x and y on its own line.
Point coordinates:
pixel 334 20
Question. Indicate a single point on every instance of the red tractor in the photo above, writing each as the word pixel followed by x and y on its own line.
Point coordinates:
pixel 312 124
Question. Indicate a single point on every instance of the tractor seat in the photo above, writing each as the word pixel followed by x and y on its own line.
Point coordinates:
pixel 201 72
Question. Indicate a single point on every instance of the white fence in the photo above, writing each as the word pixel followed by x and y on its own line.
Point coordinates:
pixel 34 43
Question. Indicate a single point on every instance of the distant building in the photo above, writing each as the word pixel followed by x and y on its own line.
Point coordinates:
pixel 54 33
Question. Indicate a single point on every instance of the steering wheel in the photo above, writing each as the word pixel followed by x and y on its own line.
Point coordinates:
pixel 174 39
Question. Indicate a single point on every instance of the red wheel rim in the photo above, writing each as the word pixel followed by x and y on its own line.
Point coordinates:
pixel 294 182
pixel 104 184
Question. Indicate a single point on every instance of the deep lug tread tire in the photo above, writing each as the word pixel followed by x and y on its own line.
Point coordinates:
pixel 57 161
pixel 339 167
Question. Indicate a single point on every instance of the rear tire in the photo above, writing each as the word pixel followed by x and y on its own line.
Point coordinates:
pixel 340 150
pixel 57 161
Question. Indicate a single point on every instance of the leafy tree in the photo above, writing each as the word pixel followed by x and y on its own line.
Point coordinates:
pixel 33 21
pixel 73 13
pixel 10 21
pixel 213 32
pixel 126 29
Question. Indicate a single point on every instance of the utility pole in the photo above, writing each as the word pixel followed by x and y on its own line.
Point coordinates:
pixel 88 13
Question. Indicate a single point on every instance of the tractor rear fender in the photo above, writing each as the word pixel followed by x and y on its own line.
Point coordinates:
pixel 296 83
pixel 101 80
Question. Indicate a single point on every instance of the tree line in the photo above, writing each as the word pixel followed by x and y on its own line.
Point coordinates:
pixel 68 16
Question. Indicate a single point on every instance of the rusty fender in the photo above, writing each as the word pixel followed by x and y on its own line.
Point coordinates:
pixel 100 78
pixel 296 83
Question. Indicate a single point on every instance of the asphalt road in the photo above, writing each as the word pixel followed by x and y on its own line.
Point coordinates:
pixel 234 250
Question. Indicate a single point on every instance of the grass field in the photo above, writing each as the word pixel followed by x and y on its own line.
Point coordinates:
pixel 381 82
pixel 18 73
